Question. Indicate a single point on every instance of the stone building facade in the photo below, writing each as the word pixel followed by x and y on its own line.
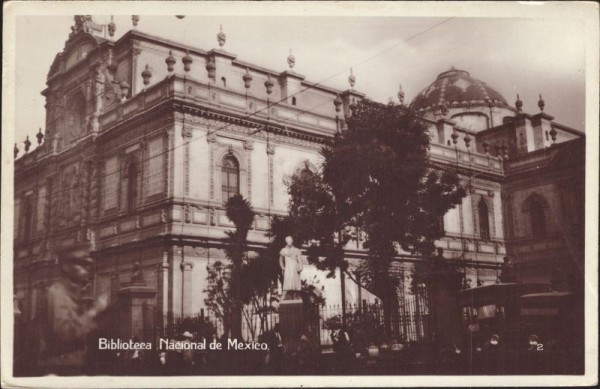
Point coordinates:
pixel 146 139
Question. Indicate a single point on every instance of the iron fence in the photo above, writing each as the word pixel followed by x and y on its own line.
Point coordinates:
pixel 209 325
pixel 409 322
pixel 366 323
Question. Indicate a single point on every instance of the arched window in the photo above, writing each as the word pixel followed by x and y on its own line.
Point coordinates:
pixel 224 81
pixel 538 218
pixel 230 177
pixel 75 118
pixel 132 192
pixel 484 220
pixel 293 101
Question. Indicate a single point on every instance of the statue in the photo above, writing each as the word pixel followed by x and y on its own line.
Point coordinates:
pixel 291 265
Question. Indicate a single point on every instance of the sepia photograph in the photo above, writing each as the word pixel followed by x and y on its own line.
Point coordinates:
pixel 259 193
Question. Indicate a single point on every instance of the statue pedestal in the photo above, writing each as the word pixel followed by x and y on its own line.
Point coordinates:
pixel 443 286
pixel 291 323
pixel 137 311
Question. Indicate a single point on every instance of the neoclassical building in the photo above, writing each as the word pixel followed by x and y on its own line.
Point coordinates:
pixel 146 139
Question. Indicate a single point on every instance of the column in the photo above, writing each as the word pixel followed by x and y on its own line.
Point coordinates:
pixel 186 285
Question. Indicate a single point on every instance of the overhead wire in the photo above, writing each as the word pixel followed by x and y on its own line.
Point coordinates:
pixel 311 86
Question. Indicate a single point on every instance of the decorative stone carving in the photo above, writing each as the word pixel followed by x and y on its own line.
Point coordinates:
pixel 247 79
pixel 291 60
pixel 211 213
pixel 170 61
pixel 85 196
pixel 112 27
pixel 211 68
pixel 186 266
pixel 187 132
pixel 188 213
pixel 137 273
pixel 269 85
pixel 248 145
pixel 211 137
pixel 83 23
pixel 221 37
pixel 187 61
pixel 351 79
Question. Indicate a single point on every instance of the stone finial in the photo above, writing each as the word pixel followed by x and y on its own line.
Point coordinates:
pixel 291 60
pixel 269 84
pixel 27 144
pixel 39 136
pixel 337 103
pixel 187 61
pixel 444 108
pixel 16 151
pixel 467 140
pixel 486 147
pixel 247 79
pixel 221 37
pixel 83 23
pixel 351 79
pixel 211 68
pixel 124 89
pixel 401 95
pixel 353 106
pixel 454 137
pixel 135 20
pixel 147 74
pixel 519 104
pixel 112 27
pixel 541 103
pixel 170 61
pixel 504 151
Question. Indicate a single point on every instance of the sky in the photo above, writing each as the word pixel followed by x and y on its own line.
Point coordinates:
pixel 512 55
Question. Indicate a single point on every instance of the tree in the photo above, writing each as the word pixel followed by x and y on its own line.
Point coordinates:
pixel 247 279
pixel 376 178
pixel 219 294
pixel 259 287
pixel 239 211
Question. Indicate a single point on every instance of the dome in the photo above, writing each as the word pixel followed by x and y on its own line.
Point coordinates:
pixel 456 88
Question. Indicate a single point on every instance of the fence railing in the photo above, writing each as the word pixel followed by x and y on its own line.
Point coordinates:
pixel 409 322
pixel 207 324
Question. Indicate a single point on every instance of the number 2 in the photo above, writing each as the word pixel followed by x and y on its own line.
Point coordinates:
pixel 540 347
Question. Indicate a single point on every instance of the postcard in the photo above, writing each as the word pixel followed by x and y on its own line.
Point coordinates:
pixel 299 194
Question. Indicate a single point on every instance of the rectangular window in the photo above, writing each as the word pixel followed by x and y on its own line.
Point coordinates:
pixel 27 219
pixel 41 214
pixel 17 215
pixel 111 183
pixel 155 178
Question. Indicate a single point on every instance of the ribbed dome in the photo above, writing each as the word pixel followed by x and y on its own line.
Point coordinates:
pixel 456 88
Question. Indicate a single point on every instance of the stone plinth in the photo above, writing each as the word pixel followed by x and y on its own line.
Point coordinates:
pixel 442 288
pixel 291 323
pixel 137 310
